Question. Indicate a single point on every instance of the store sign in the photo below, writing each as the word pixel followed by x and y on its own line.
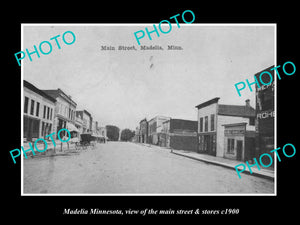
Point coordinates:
pixel 265 115
pixel 234 132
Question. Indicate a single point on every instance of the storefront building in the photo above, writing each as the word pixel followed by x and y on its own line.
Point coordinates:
pixel 38 113
pixel 179 134
pixel 64 111
pixel 155 126
pixel 87 120
pixel 239 142
pixel 265 114
pixel 212 117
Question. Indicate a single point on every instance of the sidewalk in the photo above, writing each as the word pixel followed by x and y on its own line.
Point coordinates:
pixel 59 149
pixel 268 173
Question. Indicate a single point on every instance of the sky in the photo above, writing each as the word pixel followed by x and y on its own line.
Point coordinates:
pixel 123 87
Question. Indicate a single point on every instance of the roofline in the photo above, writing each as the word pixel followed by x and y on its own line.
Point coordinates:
pixel 209 102
pixel 268 68
pixel 244 116
pixel 33 88
pixel 184 120
pixel 234 124
pixel 143 120
pixel 63 95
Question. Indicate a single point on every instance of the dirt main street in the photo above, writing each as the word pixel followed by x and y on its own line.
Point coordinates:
pixel 119 167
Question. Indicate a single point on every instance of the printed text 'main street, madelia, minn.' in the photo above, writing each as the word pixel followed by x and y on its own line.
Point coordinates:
pixel 142 47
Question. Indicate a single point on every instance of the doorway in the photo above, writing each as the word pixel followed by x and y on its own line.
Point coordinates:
pixel 239 150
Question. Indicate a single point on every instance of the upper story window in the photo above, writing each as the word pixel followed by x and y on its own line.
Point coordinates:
pixel 37 109
pixel 44 114
pixel 201 124
pixel 206 123
pixel 212 122
pixel 26 104
pixel 32 107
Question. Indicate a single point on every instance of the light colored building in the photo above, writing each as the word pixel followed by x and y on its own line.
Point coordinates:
pixel 212 118
pixel 155 127
pixel 64 111
pixel 137 135
pixel 38 113
pixel 102 131
pixel 86 120
pixel 79 122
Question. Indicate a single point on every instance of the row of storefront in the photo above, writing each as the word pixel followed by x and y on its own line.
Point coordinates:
pixel 48 111
pixel 238 132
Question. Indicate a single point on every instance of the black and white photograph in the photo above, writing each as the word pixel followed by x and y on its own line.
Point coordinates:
pixel 140 111
pixel 128 109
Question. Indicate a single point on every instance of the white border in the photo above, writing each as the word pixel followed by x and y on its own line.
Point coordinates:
pixel 154 194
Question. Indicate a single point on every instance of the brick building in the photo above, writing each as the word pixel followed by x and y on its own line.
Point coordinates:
pixel 179 134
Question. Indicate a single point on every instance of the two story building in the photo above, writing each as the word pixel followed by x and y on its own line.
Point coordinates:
pixel 155 126
pixel 87 120
pixel 64 111
pixel 265 114
pixel 38 113
pixel 214 124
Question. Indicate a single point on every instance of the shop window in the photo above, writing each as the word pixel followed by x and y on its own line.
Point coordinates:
pixel 43 129
pixel 252 121
pixel 230 145
pixel 201 142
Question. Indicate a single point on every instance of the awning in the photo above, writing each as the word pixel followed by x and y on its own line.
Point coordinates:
pixel 71 127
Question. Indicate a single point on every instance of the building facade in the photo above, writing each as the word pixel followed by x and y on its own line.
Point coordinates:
pixel 144 131
pixel 265 114
pixel 87 120
pixel 239 143
pixel 137 135
pixel 212 117
pixel 155 126
pixel 79 122
pixel 38 113
pixel 64 111
pixel 179 134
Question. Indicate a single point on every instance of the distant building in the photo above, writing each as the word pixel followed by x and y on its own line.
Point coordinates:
pixel 144 131
pixel 214 122
pixel 155 126
pixel 137 135
pixel 38 113
pixel 179 134
pixel 79 122
pixel 64 111
pixel 87 120
pixel 102 131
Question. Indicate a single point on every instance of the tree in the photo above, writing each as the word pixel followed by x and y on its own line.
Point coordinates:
pixel 127 135
pixel 112 132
